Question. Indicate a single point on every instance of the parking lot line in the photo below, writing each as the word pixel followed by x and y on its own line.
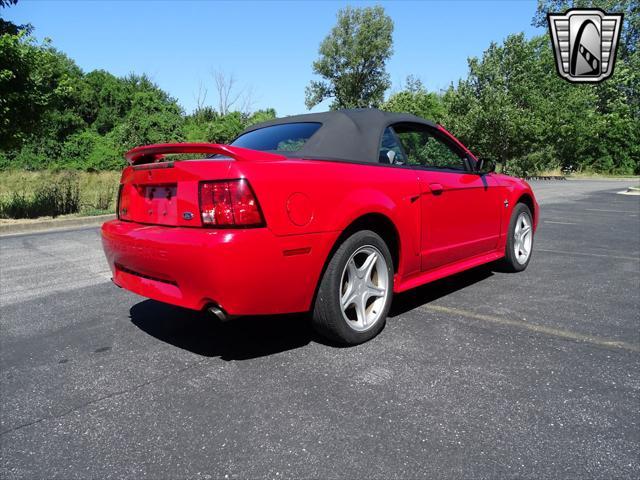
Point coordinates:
pixel 555 332
pixel 587 254
pixel 608 211
pixel 560 223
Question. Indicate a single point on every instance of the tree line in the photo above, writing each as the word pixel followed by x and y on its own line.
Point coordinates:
pixel 512 106
pixel 54 115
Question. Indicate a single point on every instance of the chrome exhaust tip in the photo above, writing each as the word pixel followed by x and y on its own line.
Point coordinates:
pixel 218 313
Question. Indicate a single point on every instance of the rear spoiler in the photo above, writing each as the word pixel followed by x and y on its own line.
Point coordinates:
pixel 154 153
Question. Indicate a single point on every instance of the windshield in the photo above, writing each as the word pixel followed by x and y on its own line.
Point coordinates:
pixel 288 137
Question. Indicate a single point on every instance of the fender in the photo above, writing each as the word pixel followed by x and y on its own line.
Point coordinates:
pixel 515 189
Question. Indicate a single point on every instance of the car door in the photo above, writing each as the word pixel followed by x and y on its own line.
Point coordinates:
pixel 460 209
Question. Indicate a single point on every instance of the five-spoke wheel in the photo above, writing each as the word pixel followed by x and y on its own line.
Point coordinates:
pixel 520 239
pixel 364 288
pixel 356 289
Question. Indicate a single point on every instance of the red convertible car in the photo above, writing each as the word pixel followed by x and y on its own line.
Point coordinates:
pixel 330 213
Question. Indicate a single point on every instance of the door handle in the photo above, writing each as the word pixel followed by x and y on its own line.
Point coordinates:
pixel 436 188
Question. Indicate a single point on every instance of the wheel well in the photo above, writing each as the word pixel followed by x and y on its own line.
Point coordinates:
pixel 375 222
pixel 379 224
pixel 528 201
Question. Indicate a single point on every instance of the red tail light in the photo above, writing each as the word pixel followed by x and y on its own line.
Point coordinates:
pixel 122 208
pixel 229 203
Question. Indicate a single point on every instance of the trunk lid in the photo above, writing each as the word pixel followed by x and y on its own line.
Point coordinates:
pixel 157 191
pixel 167 193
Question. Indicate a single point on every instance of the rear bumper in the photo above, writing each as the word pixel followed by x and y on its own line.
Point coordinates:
pixel 246 272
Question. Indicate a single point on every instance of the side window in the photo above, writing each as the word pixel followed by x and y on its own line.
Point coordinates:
pixel 427 150
pixel 390 149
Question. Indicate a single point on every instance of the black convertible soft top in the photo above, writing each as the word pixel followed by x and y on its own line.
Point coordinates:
pixel 352 135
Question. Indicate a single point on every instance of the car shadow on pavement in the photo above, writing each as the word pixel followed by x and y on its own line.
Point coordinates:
pixel 251 337
pixel 414 298
pixel 238 339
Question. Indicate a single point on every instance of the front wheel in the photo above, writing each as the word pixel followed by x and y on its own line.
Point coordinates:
pixel 356 290
pixel 520 240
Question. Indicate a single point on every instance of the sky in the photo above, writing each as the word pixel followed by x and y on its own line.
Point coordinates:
pixel 269 47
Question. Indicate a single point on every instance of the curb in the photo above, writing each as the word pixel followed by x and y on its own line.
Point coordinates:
pixel 630 191
pixel 54 225
pixel 545 177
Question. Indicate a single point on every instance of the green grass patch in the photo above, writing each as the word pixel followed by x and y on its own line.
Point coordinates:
pixel 26 194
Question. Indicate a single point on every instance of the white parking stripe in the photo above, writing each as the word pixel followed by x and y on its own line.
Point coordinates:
pixel 555 332
pixel 608 211
pixel 585 254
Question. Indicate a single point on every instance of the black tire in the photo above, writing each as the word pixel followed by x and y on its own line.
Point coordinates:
pixel 510 262
pixel 327 317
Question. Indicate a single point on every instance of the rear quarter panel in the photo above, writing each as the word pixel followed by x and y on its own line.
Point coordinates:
pixel 312 196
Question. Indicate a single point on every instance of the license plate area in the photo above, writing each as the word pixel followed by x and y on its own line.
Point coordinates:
pixel 160 203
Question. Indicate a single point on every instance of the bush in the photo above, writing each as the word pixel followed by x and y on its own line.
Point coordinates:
pixel 105 156
pixel 532 163
pixel 29 158
pixel 77 148
pixel 4 161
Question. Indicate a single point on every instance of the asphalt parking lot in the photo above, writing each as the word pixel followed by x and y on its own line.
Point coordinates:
pixel 484 375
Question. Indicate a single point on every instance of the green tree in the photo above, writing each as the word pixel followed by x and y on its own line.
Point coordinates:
pixel 260 116
pixel 207 125
pixel 154 117
pixel 225 128
pixel 104 100
pixel 414 98
pixel 618 98
pixel 353 59
pixel 10 27
pixel 514 108
pixel 38 85
pixel 53 115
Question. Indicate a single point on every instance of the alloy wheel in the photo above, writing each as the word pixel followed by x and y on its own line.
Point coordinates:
pixel 364 288
pixel 522 238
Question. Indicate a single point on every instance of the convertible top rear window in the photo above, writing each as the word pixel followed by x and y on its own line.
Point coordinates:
pixel 287 137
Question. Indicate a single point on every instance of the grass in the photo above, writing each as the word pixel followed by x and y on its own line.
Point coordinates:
pixel 596 176
pixel 555 172
pixel 585 174
pixel 26 194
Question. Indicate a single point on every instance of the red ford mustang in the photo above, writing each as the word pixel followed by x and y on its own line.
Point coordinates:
pixel 330 213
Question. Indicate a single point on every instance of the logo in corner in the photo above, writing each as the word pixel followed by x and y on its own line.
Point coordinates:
pixel 585 43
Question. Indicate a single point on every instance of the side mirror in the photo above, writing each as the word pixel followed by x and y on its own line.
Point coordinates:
pixel 484 165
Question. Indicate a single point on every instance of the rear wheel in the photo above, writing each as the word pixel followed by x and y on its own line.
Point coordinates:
pixel 520 240
pixel 356 289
